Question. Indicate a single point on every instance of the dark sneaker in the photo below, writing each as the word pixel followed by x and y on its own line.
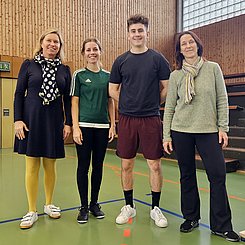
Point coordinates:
pixel 189 225
pixel 82 215
pixel 95 210
pixel 228 235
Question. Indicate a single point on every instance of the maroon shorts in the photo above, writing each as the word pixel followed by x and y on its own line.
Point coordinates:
pixel 143 132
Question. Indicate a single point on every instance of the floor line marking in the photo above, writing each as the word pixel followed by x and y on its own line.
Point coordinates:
pixel 170 212
pixel 62 210
pixel 116 168
pixel 110 201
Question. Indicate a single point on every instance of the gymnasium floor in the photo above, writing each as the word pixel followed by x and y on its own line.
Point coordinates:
pixel 141 230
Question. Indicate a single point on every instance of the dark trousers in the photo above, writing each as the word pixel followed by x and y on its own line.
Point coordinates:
pixel 94 145
pixel 212 156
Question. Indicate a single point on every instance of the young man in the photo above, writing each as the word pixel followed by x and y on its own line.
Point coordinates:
pixel 139 80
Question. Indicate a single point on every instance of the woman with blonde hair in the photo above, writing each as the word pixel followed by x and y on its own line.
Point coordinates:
pixel 42 119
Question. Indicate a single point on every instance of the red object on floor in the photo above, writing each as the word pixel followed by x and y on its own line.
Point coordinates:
pixel 127 233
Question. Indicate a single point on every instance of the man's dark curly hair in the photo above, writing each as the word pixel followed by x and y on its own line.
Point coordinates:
pixel 138 18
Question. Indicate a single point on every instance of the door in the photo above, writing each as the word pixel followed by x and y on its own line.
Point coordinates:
pixel 7 112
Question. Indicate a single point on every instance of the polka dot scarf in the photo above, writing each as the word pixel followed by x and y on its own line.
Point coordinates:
pixel 49 90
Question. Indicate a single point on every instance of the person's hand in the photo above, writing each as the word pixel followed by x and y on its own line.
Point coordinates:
pixel 77 135
pixel 112 133
pixel 168 147
pixel 66 131
pixel 19 127
pixel 223 139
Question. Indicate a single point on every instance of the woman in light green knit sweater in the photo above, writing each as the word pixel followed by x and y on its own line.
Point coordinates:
pixel 196 115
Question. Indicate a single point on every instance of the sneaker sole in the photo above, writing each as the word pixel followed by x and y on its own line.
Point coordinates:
pixel 186 231
pixel 98 217
pixel 160 226
pixel 26 227
pixel 122 223
pixel 54 217
pixel 82 222
pixel 223 236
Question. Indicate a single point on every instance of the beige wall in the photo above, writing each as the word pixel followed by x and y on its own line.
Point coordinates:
pixel 22 22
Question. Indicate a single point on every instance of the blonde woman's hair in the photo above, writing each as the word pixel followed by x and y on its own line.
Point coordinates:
pixel 38 48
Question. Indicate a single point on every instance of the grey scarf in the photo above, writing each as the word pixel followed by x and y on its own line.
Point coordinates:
pixel 191 71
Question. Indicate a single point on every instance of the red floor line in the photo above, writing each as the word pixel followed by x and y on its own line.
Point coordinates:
pixel 116 169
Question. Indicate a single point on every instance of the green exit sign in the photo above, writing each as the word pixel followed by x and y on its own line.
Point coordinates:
pixel 4 66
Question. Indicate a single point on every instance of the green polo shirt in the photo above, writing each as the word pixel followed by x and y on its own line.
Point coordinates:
pixel 92 90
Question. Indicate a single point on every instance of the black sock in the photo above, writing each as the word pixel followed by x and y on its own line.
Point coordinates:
pixel 155 199
pixel 128 195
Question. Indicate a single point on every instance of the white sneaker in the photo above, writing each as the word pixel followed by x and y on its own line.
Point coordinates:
pixel 28 220
pixel 52 211
pixel 157 215
pixel 126 212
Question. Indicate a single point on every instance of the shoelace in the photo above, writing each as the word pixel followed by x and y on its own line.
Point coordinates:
pixel 125 211
pixel 159 213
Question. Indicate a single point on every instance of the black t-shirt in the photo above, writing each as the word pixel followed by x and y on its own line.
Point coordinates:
pixel 139 76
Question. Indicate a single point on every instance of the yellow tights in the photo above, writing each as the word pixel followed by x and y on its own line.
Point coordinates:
pixel 31 179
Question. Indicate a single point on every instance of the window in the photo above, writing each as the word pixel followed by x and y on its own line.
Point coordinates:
pixel 197 13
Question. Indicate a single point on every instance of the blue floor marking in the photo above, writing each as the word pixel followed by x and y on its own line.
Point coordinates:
pixel 170 212
pixel 106 202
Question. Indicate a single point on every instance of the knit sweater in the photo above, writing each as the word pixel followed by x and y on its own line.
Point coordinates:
pixel 208 110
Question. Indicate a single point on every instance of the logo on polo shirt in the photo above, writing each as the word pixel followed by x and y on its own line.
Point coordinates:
pixel 88 81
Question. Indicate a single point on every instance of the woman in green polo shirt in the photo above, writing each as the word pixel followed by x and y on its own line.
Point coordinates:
pixel 93 117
